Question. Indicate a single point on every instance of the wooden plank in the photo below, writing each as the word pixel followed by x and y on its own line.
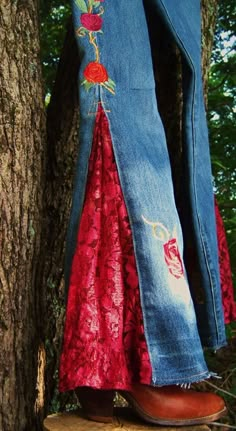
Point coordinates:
pixel 124 419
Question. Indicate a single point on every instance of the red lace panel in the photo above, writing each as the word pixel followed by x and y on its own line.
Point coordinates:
pixel 229 304
pixel 104 343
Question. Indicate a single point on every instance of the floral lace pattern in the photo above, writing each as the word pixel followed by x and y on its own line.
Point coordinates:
pixel 229 304
pixel 104 343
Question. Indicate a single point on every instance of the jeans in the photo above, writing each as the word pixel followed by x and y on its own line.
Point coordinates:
pixel 117 71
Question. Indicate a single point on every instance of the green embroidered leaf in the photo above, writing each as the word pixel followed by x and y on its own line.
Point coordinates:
pixel 87 85
pixel 95 3
pixel 111 83
pixel 81 5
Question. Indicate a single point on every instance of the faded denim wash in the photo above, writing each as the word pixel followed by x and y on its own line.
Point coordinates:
pixel 175 327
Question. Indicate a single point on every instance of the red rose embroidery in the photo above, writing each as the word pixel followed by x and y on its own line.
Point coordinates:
pixel 173 259
pixel 91 21
pixel 95 73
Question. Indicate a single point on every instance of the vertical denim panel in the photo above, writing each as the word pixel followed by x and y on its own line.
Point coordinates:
pixel 184 23
pixel 144 169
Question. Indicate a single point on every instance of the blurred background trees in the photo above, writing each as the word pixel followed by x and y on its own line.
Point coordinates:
pixel 222 119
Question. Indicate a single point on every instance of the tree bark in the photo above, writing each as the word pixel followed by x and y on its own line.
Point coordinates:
pixel 62 148
pixel 22 126
pixel 209 16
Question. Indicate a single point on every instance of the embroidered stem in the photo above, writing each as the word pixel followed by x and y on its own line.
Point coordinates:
pixel 90 7
pixel 155 225
pixel 92 40
pixel 94 73
pixel 101 9
pixel 172 255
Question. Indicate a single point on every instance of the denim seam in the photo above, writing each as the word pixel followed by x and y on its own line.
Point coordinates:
pixel 192 376
pixel 210 275
pixel 195 378
pixel 135 248
pixel 197 212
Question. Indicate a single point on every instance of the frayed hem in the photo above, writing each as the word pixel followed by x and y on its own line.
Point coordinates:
pixel 192 379
pixel 188 385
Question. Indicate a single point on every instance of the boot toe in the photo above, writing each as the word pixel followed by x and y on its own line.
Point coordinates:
pixel 212 404
pixel 172 405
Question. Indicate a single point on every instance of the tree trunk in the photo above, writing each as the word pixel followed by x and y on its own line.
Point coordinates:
pixel 22 126
pixel 209 16
pixel 62 148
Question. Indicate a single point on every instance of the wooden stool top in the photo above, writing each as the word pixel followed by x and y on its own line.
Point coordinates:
pixel 124 419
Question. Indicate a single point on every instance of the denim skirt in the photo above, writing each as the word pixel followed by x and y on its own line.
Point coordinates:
pixel 116 73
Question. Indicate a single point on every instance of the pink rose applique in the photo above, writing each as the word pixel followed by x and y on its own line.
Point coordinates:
pixel 91 21
pixel 173 259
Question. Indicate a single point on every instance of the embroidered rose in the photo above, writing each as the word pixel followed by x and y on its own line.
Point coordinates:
pixel 173 259
pixel 95 73
pixel 91 21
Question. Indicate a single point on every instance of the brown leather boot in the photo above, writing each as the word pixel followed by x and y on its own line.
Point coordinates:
pixel 173 405
pixel 97 404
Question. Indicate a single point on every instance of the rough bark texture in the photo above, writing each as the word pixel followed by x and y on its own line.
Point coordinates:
pixel 209 16
pixel 62 149
pixel 21 168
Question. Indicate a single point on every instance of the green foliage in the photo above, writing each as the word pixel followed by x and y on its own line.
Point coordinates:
pixel 54 16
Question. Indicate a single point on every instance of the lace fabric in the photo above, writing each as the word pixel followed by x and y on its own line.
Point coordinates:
pixel 227 291
pixel 104 343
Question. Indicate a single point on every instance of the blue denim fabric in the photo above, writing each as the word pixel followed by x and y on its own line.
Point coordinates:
pixel 171 329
